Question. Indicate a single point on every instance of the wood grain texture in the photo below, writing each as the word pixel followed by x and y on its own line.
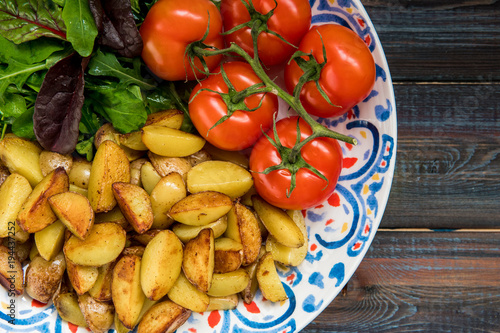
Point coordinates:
pixel 448 157
pixel 421 281
pixel 439 40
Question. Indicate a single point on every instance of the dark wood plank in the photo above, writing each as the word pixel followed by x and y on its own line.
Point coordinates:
pixel 429 40
pixel 448 157
pixel 421 281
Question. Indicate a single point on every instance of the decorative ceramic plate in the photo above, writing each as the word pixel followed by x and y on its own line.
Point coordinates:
pixel 340 230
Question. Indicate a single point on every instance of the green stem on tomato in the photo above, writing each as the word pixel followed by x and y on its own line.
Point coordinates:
pixel 293 101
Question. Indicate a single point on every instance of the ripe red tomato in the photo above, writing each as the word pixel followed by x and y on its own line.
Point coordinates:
pixel 291 20
pixel 347 78
pixel 324 154
pixel 169 27
pixel 242 128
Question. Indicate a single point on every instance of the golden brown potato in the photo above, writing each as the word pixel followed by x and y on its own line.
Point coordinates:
pixel 13 193
pixel 167 118
pixel 149 177
pixel 67 307
pixel 101 290
pixel 115 216
pixel 11 272
pixel 50 240
pixel 223 303
pixel 79 173
pixel 171 142
pixel 126 290
pixel 82 278
pixel 4 172
pixel 278 223
pixel 199 157
pixel 136 250
pixel 106 133
pixel 230 283
pixel 228 255
pixel 243 227
pixel 98 315
pixel 36 214
pixel 135 204
pixel 164 195
pixel 132 140
pixel 219 176
pixel 74 210
pixel 146 237
pixel 186 232
pixel 163 317
pixel 23 157
pixel 236 157
pixel 21 250
pixel 289 256
pixel 110 165
pixel 43 277
pixel 165 165
pixel 198 260
pixel 50 160
pixel 135 171
pixel 201 208
pixel 161 264
pixel 187 295
pixel 269 281
pixel 104 244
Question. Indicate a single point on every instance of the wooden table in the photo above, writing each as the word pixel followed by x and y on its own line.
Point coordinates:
pixel 434 265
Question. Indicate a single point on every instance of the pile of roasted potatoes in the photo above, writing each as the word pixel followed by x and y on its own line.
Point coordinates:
pixel 158 225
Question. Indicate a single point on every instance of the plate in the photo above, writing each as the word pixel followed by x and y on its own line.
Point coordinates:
pixel 340 230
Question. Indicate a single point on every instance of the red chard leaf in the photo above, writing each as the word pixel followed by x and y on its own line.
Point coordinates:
pixel 116 23
pixel 58 106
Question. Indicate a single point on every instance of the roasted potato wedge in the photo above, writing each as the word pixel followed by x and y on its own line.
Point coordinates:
pixel 13 193
pixel 165 165
pixel 135 171
pixel 250 290
pixel 101 290
pixel 167 118
pixel 236 157
pixel 11 272
pixel 219 176
pixel 187 295
pixel 132 140
pixel 169 190
pixel 228 255
pixel 82 278
pixel 49 161
pixel 269 281
pixel 186 232
pixel 161 264
pixel 4 172
pixel 199 157
pixel 115 216
pixel 146 237
pixel 74 210
pixel 98 315
pixel 43 277
pixel 135 204
pixel 201 208
pixel 198 260
pixel 79 173
pixel 67 307
pixel 36 213
pixel 104 244
pixel 163 317
pixel 230 283
pixel 149 177
pixel 106 133
pixel 278 223
pixel 243 227
pixel 50 240
pixel 21 250
pixel 289 256
pixel 171 142
pixel 223 303
pixel 23 157
pixel 126 290
pixel 110 165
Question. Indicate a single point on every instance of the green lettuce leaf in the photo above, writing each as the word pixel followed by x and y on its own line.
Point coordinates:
pixel 82 30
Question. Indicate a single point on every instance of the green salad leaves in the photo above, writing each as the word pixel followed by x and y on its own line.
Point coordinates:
pixel 68 67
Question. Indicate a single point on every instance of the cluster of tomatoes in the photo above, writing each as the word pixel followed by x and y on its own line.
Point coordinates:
pixel 340 74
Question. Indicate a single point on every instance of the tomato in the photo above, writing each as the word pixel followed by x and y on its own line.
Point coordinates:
pixel 242 128
pixel 347 77
pixel 324 154
pixel 169 27
pixel 291 20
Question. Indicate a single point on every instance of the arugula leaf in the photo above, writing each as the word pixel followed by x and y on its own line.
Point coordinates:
pixel 82 30
pixel 123 107
pixel 107 64
pixel 23 125
pixel 25 20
